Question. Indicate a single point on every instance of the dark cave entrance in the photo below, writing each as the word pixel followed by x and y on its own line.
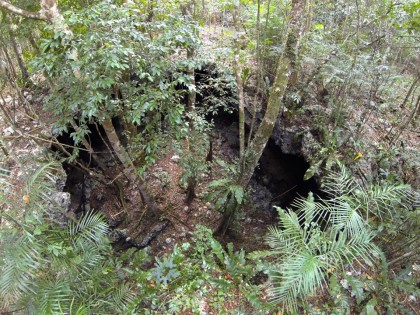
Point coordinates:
pixel 79 183
pixel 280 178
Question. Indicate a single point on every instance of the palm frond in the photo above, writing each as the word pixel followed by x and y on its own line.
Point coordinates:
pixel 324 235
pixel 42 182
pixel 382 199
pixel 289 236
pixel 4 181
pixel 89 259
pixel 121 296
pixel 339 183
pixel 311 212
pixel 300 275
pixel 19 268
pixel 346 217
pixel 91 228
pixel 52 296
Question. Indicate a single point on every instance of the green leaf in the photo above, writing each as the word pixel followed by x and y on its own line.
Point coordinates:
pixel 219 183
pixel 312 170
pixel 370 308
pixel 37 231
pixel 77 260
pixel 239 193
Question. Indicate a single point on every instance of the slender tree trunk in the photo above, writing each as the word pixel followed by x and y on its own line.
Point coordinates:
pixel 3 148
pixel 414 113
pixel 191 100
pixel 228 216
pixel 129 168
pixel 11 69
pixel 34 44
pixel 192 94
pixel 284 78
pixel 49 9
pixel 407 96
pixel 239 84
pixel 265 129
pixel 16 48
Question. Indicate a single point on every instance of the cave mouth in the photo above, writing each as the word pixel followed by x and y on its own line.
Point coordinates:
pixel 97 183
pixel 279 178
pixel 79 182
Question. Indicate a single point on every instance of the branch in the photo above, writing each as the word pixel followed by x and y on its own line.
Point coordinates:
pixel 30 15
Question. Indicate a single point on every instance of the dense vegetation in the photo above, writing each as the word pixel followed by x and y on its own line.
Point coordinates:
pixel 143 82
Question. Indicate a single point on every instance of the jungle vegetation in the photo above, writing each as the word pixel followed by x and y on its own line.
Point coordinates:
pixel 127 76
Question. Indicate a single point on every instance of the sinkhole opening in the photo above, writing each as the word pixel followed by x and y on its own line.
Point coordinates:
pixel 278 180
pixel 79 183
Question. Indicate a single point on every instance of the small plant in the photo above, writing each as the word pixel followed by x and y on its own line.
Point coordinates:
pixel 165 270
pixel 193 157
pixel 227 195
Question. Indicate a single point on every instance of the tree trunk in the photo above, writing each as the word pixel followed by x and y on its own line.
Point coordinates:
pixel 3 148
pixel 238 72
pixel 16 49
pixel 192 94
pixel 10 69
pixel 228 216
pixel 129 168
pixel 285 77
pixel 265 129
pixel 49 9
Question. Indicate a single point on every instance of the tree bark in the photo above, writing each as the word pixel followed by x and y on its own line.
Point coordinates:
pixel 192 94
pixel 49 9
pixel 286 76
